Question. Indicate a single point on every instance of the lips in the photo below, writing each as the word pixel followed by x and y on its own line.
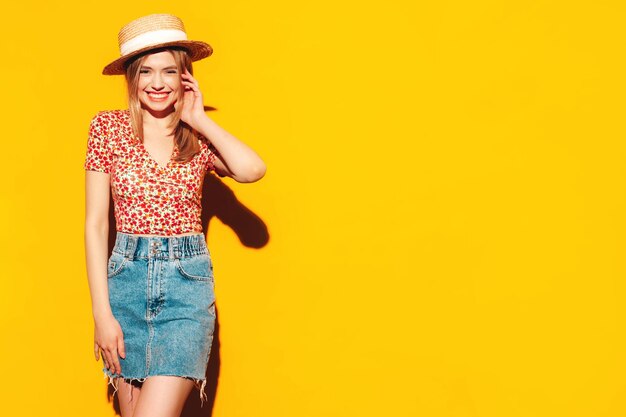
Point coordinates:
pixel 157 95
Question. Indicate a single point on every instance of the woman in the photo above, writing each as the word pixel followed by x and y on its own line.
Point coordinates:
pixel 153 299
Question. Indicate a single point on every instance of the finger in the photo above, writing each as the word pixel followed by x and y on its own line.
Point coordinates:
pixel 96 351
pixel 193 87
pixel 104 359
pixel 191 79
pixel 109 357
pixel 120 347
pixel 189 83
pixel 113 361
pixel 116 362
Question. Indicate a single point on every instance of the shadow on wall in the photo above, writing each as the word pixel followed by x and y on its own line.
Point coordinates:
pixel 218 200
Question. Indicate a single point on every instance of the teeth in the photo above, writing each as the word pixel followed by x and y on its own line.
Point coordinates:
pixel 160 95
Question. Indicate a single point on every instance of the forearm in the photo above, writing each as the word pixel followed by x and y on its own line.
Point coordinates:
pixel 244 162
pixel 96 252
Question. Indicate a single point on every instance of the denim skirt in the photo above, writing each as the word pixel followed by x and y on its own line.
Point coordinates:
pixel 161 291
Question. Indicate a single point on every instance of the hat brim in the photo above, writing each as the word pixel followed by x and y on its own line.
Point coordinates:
pixel 197 50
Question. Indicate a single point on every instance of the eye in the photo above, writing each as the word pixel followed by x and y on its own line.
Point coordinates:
pixel 143 71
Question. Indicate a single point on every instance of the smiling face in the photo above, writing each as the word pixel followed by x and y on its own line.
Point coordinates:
pixel 159 81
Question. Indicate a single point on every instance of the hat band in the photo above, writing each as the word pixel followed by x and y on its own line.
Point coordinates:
pixel 154 37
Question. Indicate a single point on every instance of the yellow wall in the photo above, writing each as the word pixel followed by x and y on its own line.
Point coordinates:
pixel 444 201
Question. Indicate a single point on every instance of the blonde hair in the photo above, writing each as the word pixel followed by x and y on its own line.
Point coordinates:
pixel 185 137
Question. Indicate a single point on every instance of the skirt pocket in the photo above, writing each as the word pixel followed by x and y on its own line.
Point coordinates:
pixel 116 264
pixel 197 267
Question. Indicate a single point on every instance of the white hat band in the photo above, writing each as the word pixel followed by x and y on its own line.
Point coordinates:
pixel 152 38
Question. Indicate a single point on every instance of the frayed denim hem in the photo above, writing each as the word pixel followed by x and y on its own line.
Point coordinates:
pixel 200 384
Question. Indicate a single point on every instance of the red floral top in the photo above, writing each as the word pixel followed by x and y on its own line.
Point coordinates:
pixel 148 198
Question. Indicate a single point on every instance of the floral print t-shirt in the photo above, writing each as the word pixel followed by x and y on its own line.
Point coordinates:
pixel 148 198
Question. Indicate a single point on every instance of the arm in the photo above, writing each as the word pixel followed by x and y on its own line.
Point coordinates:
pixel 237 160
pixel 108 335
pixel 97 167
pixel 96 240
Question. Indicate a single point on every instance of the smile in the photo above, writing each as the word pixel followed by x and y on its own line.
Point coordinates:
pixel 158 96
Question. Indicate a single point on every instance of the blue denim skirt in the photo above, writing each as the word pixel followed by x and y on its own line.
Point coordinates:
pixel 161 291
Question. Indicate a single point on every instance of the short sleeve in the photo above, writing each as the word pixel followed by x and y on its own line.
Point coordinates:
pixel 212 154
pixel 99 147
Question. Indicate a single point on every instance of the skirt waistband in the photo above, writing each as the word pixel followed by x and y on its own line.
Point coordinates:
pixel 167 247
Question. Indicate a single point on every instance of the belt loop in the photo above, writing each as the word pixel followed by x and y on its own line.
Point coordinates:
pixel 205 247
pixel 174 247
pixel 131 245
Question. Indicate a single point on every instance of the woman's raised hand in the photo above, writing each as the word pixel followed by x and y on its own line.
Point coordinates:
pixel 193 104
pixel 108 341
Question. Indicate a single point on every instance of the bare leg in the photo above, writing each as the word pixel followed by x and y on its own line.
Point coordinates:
pixel 128 395
pixel 163 396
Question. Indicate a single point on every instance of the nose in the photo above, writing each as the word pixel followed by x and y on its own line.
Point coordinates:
pixel 157 82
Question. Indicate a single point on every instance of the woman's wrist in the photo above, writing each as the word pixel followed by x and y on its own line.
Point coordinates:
pixel 198 121
pixel 102 313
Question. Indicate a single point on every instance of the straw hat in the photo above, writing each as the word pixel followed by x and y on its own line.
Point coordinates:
pixel 154 31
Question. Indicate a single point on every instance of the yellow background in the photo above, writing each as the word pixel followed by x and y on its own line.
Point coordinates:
pixel 444 205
